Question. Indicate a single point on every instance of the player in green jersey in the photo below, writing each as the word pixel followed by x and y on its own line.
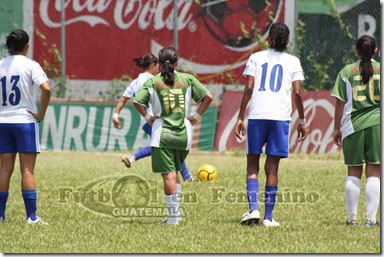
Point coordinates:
pixel 170 94
pixel 357 128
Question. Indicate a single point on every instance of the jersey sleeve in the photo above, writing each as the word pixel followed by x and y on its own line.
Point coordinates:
pixel 297 72
pixel 38 74
pixel 198 89
pixel 143 95
pixel 339 89
pixel 130 91
pixel 250 67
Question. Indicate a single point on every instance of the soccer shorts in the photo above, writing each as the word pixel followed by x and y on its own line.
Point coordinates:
pixel 167 160
pixel 362 146
pixel 147 129
pixel 273 133
pixel 19 138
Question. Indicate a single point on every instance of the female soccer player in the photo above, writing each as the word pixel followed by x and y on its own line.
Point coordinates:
pixel 171 94
pixel 357 128
pixel 19 118
pixel 149 64
pixel 271 75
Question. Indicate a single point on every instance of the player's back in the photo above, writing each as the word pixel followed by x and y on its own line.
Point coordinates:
pixel 17 75
pixel 274 73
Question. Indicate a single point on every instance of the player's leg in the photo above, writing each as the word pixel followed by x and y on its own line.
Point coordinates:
pixel 8 150
pixel 354 159
pixel 372 188
pixel 129 159
pixel 28 146
pixel 163 161
pixel 271 187
pixel 256 137
pixel 7 164
pixel 277 148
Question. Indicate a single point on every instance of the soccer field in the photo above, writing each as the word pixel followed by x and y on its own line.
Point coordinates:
pixel 94 205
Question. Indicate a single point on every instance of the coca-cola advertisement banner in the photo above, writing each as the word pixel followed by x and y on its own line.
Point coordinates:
pixel 215 38
pixel 319 109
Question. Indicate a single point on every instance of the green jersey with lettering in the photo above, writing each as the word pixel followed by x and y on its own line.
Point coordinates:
pixel 362 107
pixel 172 104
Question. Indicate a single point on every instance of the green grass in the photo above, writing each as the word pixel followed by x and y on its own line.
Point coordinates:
pixel 210 224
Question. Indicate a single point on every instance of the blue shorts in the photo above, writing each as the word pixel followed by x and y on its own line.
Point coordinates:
pixel 147 129
pixel 19 138
pixel 271 132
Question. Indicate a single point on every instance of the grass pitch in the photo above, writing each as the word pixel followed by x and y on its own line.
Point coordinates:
pixel 310 208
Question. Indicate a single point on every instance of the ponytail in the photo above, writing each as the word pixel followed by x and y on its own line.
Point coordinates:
pixel 365 47
pixel 168 57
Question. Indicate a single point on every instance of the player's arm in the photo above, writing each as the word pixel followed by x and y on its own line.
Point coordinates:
pixel 302 131
pixel 204 104
pixel 120 104
pixel 339 108
pixel 44 101
pixel 247 94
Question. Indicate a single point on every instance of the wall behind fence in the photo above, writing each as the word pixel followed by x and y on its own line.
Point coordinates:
pixel 87 126
pixel 319 112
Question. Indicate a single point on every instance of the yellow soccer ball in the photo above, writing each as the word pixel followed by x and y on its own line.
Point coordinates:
pixel 206 173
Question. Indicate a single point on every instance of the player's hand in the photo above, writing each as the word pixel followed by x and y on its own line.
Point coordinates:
pixel 240 129
pixel 37 116
pixel 151 120
pixel 302 132
pixel 116 123
pixel 192 120
pixel 336 135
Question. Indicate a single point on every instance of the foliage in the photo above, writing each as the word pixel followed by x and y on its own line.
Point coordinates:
pixel 116 89
pixel 52 67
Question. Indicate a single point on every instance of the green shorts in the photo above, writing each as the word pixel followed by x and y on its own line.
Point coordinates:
pixel 362 146
pixel 167 160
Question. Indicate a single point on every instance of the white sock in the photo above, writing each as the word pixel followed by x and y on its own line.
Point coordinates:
pixel 352 194
pixel 178 189
pixel 372 197
pixel 173 206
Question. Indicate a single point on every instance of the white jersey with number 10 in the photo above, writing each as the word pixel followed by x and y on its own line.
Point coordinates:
pixel 274 73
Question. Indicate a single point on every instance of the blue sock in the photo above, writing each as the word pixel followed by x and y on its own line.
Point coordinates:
pixel 143 152
pixel 270 200
pixel 30 197
pixel 184 172
pixel 252 194
pixel 3 203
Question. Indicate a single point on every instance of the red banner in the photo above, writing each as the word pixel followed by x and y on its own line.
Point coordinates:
pixel 319 109
pixel 103 36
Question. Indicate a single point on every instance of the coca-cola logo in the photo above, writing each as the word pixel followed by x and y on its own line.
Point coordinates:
pixel 155 13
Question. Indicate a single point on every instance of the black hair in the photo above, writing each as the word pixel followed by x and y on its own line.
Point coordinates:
pixel 168 56
pixel 278 37
pixel 145 61
pixel 16 41
pixel 365 47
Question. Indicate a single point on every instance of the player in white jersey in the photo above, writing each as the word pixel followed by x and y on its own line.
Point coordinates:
pixel 19 118
pixel 149 64
pixel 271 76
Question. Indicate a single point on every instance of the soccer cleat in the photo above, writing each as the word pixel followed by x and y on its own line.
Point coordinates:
pixel 192 179
pixel 250 218
pixel 2 220
pixel 272 223
pixel 168 222
pixel 128 160
pixel 351 222
pixel 369 223
pixel 38 220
